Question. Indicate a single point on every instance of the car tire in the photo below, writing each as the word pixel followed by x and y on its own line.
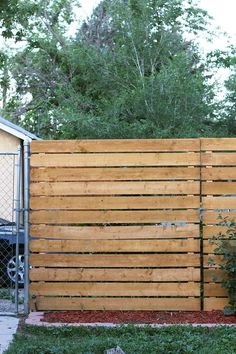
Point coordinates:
pixel 11 269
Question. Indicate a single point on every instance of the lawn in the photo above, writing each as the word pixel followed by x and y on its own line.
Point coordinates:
pixel 133 340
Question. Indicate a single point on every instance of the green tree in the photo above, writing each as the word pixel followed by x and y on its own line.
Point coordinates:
pixel 130 72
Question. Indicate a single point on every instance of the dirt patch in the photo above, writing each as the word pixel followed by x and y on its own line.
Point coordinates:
pixel 133 317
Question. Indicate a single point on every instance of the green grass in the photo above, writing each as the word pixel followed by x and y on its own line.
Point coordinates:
pixel 133 340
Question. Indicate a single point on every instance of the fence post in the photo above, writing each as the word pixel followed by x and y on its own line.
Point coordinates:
pixel 17 211
pixel 26 226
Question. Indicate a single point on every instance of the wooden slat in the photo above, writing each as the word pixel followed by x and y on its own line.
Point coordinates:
pixel 214 303
pixel 114 232
pixel 114 216
pixel 116 289
pixel 212 217
pixel 218 159
pixel 86 274
pixel 119 159
pixel 61 174
pixel 219 202
pixel 208 248
pixel 215 275
pixel 219 188
pixel 217 259
pixel 117 246
pixel 112 188
pixel 218 173
pixel 217 144
pixel 112 145
pixel 211 231
pixel 93 203
pixel 213 289
pixel 120 304
pixel 114 260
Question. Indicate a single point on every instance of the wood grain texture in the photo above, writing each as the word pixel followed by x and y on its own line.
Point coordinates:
pixel 218 159
pixel 115 260
pixel 213 275
pixel 214 303
pixel 212 217
pixel 212 230
pixel 219 188
pixel 216 260
pixel 116 246
pixel 114 232
pixel 219 202
pixel 114 216
pixel 61 174
pixel 212 289
pixel 122 304
pixel 218 173
pixel 86 274
pixel 113 188
pixel 117 289
pixel 119 159
pixel 218 144
pixel 114 145
pixel 98 203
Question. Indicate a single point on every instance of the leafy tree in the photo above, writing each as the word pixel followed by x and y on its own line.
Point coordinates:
pixel 130 72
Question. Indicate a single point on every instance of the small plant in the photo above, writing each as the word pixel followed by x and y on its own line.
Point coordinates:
pixel 225 243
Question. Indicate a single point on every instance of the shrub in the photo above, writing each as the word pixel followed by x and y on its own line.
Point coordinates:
pixel 225 243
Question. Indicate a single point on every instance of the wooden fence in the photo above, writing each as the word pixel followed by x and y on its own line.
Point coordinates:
pixel 218 160
pixel 115 224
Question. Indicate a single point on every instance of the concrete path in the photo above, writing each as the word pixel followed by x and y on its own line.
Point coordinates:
pixel 8 326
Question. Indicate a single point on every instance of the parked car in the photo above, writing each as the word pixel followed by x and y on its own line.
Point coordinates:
pixel 7 253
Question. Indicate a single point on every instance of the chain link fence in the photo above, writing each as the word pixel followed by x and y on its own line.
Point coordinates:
pixel 11 236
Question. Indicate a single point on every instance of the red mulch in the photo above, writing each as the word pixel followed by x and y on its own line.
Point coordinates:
pixel 133 317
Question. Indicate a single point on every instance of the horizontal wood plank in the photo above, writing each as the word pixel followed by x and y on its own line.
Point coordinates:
pixel 218 188
pixel 119 159
pixel 98 203
pixel 212 217
pixel 114 145
pixel 117 246
pixel 219 202
pixel 218 173
pixel 212 289
pixel 217 259
pixel 114 216
pixel 86 274
pixel 212 230
pixel 113 188
pixel 218 144
pixel 117 289
pixel 120 304
pixel 214 303
pixel 115 260
pixel 114 232
pixel 218 159
pixel 61 174
pixel 213 275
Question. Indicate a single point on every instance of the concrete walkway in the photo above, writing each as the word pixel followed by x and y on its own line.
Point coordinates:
pixel 8 327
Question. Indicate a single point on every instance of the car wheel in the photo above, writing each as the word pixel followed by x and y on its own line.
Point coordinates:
pixel 11 270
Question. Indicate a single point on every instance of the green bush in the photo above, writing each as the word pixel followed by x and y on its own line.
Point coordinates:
pixel 225 243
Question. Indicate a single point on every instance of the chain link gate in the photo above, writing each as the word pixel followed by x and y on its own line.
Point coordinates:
pixel 11 233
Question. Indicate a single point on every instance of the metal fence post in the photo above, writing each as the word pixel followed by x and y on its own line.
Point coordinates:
pixel 26 226
pixel 17 213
